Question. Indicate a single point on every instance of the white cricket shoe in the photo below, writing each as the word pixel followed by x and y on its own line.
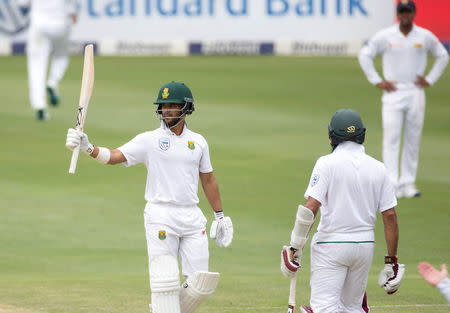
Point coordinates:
pixel 407 191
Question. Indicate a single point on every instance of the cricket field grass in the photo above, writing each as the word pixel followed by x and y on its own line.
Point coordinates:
pixel 75 243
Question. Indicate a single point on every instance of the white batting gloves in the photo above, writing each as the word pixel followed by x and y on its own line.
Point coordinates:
pixel 77 138
pixel 222 229
pixel 290 261
pixel 391 275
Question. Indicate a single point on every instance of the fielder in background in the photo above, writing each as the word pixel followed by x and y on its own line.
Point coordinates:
pixel 435 278
pixel 349 187
pixel 404 48
pixel 50 27
pixel 175 158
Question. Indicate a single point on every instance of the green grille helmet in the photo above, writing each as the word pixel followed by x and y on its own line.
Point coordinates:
pixel 346 125
pixel 175 92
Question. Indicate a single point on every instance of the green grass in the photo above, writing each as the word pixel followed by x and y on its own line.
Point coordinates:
pixel 76 243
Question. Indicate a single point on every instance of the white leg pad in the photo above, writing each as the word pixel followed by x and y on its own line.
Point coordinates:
pixel 303 223
pixel 165 284
pixel 196 289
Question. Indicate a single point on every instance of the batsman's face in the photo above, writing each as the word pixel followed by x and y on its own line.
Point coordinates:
pixel 406 18
pixel 171 112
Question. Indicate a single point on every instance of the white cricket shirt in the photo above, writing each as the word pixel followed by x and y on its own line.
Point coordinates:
pixel 404 57
pixel 173 164
pixel 52 12
pixel 351 187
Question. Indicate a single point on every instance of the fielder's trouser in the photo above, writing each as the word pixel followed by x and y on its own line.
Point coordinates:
pixel 339 273
pixel 191 246
pixel 402 109
pixel 43 41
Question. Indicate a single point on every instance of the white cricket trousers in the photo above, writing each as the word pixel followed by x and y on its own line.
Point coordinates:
pixel 339 273
pixel 402 110
pixel 189 243
pixel 43 41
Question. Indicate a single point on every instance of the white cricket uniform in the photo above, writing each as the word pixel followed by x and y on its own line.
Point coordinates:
pixel 174 223
pixel 404 57
pixel 351 187
pixel 50 27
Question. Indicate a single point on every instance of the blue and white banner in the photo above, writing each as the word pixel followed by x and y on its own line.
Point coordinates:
pixel 180 27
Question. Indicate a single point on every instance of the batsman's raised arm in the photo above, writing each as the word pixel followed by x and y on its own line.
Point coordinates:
pixel 102 155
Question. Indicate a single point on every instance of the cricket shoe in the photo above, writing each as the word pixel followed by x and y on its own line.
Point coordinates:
pixel 306 309
pixel 407 191
pixel 53 95
pixel 42 115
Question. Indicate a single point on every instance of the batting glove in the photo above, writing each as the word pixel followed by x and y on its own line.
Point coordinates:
pixel 290 261
pixel 391 275
pixel 77 138
pixel 222 229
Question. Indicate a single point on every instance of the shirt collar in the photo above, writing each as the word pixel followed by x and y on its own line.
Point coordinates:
pixel 350 146
pixel 169 132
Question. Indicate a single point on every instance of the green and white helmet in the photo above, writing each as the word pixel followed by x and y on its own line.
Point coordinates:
pixel 175 92
pixel 346 125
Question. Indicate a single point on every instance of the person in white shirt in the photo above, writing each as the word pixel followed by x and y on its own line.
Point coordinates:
pixel 404 48
pixel 176 158
pixel 50 27
pixel 348 187
pixel 435 278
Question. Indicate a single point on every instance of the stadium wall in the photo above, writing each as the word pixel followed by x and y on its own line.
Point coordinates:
pixel 205 27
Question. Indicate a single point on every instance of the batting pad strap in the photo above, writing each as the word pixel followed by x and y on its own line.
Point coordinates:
pixel 103 156
pixel 303 222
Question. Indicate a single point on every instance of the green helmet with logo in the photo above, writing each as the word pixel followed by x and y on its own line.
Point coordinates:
pixel 346 125
pixel 175 92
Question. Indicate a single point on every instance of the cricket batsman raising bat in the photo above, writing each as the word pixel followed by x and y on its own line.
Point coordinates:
pixel 176 159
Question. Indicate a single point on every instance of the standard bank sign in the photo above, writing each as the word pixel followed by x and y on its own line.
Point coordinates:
pixel 199 8
pixel 14 17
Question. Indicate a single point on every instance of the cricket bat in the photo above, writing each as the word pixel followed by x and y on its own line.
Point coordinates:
pixel 292 292
pixel 87 84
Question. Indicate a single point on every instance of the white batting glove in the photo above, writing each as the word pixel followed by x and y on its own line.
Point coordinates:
pixel 77 138
pixel 290 261
pixel 222 229
pixel 391 275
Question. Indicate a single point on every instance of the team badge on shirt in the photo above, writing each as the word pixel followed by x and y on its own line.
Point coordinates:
pixel 314 179
pixel 191 145
pixel 418 46
pixel 164 143
pixel 165 94
pixel 162 234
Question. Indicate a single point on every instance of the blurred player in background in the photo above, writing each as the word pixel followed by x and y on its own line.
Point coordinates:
pixel 349 187
pixel 50 28
pixel 404 48
pixel 435 278
pixel 175 158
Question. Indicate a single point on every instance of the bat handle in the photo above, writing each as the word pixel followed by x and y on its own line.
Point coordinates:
pixel 73 162
pixel 292 290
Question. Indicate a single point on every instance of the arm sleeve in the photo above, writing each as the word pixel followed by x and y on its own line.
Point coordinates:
pixel 387 198
pixel 205 160
pixel 436 48
pixel 444 288
pixel 318 184
pixel 372 48
pixel 134 151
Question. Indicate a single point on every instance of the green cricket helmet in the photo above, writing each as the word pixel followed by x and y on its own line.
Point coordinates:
pixel 346 125
pixel 175 92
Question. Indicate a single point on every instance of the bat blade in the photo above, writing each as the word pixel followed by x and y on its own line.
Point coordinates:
pixel 292 293
pixel 87 84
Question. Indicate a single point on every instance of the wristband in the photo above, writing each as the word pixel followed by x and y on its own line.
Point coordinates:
pixel 219 214
pixel 103 156
pixel 390 259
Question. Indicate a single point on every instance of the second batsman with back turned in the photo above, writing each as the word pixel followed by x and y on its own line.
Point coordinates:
pixel 176 158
